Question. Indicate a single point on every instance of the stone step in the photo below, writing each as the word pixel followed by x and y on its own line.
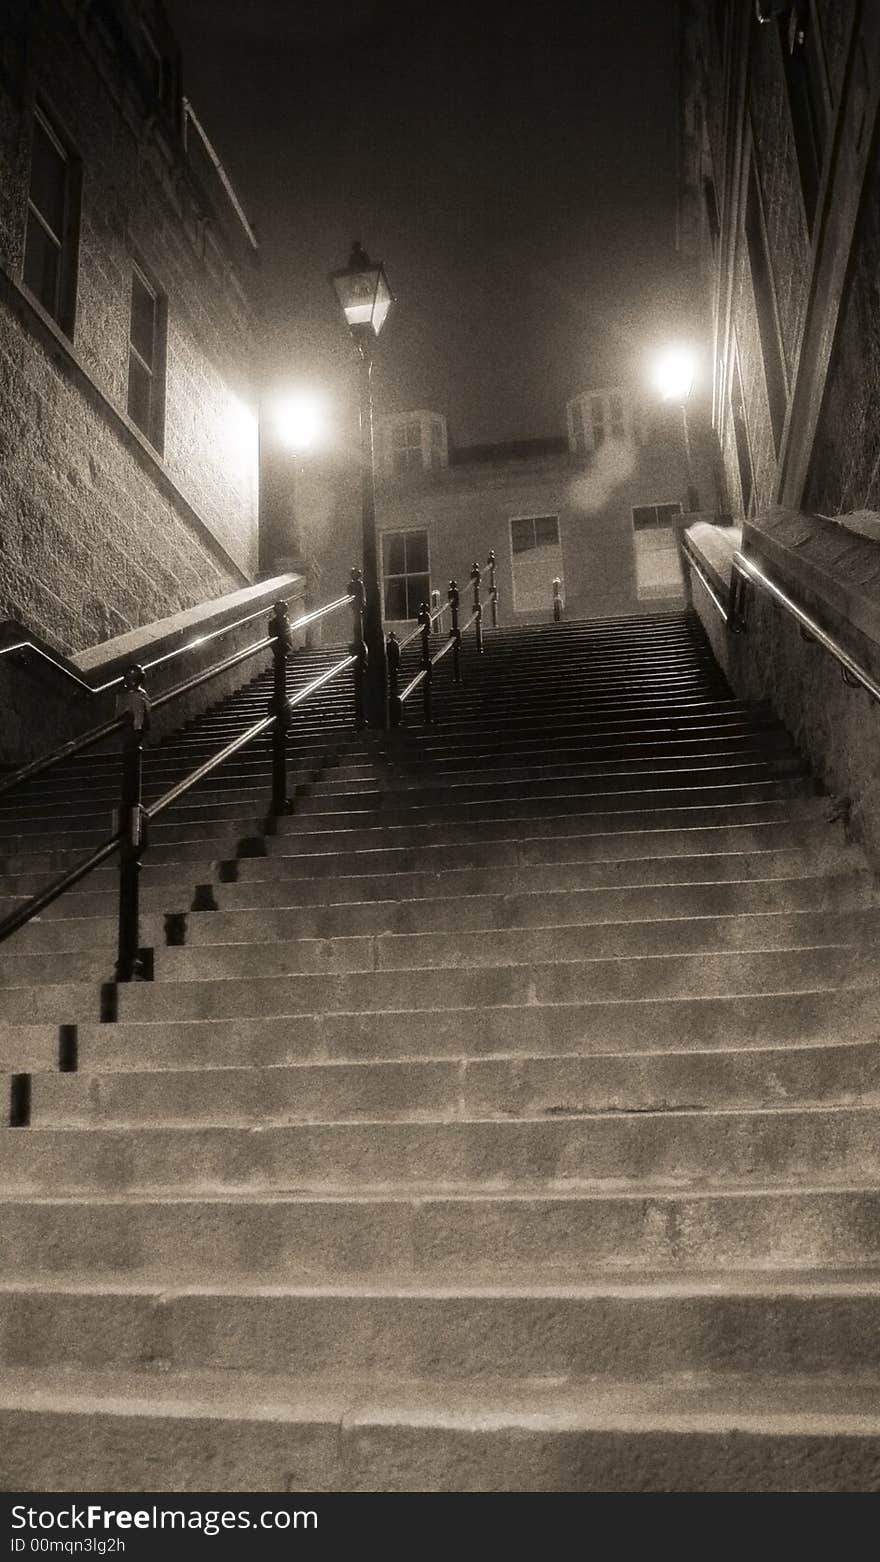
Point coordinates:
pixel 780 1145
pixel 482 1237
pixel 577 981
pixel 347 782
pixel 227 885
pixel 282 953
pixel 185 1433
pixel 242 915
pixel 819 1323
pixel 743 1021
pixel 488 841
pixel 420 1086
pixel 370 799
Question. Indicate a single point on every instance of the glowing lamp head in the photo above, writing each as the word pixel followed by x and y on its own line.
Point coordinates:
pixel 300 421
pixel 363 293
pixel 675 370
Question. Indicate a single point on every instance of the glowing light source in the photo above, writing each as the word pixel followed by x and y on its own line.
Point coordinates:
pixel 674 372
pixel 301 420
pixel 363 292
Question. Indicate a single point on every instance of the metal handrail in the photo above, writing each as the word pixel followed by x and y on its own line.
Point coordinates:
pixel 424 678
pixel 131 836
pixel 744 570
pixel 701 573
pixel 167 656
pixel 88 739
pixel 853 671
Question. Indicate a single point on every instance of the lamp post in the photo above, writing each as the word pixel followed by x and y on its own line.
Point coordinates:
pixel 674 374
pixel 365 299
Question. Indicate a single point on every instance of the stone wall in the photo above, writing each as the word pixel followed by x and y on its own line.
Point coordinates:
pixel 99 531
pixel 834 575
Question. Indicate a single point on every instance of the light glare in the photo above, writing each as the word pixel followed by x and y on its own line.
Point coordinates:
pixel 301 421
pixel 675 370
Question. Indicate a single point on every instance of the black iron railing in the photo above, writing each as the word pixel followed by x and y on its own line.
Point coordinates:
pixel 429 622
pixel 130 836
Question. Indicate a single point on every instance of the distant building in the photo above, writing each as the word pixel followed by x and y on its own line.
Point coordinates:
pixel 128 432
pixel 780 219
pixel 594 508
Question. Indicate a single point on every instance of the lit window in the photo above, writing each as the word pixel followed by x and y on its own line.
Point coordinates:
pixel 597 418
pixel 407 442
pixel 657 562
pixel 146 359
pixel 49 269
pixel 537 561
pixel 405 573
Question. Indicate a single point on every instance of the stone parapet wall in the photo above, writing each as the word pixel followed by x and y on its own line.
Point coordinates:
pixel 833 573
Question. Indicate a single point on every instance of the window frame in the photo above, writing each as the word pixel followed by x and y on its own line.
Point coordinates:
pixel 63 307
pixel 405 574
pixel 534 517
pixel 155 433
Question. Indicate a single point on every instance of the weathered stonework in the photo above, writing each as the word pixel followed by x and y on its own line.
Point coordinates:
pixel 834 574
pixel 99 532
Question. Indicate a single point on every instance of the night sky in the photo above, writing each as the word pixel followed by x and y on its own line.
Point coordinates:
pixel 513 166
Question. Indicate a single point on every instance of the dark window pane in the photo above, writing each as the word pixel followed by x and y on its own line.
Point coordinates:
pixel 598 433
pixel 143 319
pixel 395 599
pixel 42 265
pixel 140 395
pixel 414 435
pixel 416 551
pixel 644 516
pixel 667 513
pixel 395 554
pixel 48 190
pixel 546 530
pixel 522 536
pixel 418 590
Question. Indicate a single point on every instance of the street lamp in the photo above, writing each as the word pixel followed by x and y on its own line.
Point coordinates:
pixel 674 374
pixel 365 298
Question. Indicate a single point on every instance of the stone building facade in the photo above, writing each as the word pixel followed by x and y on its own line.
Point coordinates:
pixel 128 428
pixel 596 507
pixel 780 218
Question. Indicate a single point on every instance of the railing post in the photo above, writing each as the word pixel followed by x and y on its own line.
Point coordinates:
pixel 476 577
pixel 557 599
pixel 279 629
pixel 392 656
pixel 133 703
pixel 358 646
pixel 737 603
pixel 455 632
pixel 425 624
pixel 435 608
pixel 493 588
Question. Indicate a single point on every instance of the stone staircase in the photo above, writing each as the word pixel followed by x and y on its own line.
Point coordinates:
pixel 505 1118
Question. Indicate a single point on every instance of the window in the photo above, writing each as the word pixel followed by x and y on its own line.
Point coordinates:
pixel 405 573
pixel 806 97
pixel 577 442
pixel 765 307
pixel 741 438
pixel 615 405
pixel 146 359
pixel 51 238
pixel 537 560
pixel 597 417
pixel 407 446
pixel 658 568
pixel 710 200
pixel 648 516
